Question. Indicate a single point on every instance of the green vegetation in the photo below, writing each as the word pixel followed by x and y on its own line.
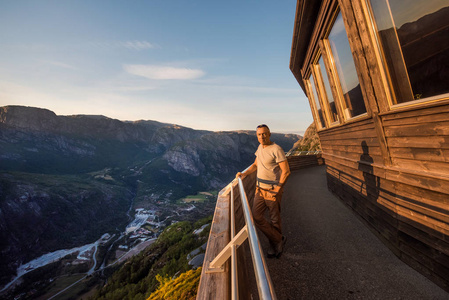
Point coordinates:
pixel 184 287
pixel 143 274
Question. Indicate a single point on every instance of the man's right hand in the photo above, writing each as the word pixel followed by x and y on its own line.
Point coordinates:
pixel 239 175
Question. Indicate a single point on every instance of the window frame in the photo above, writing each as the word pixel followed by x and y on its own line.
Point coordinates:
pixel 312 102
pixel 333 68
pixel 322 93
pixel 384 68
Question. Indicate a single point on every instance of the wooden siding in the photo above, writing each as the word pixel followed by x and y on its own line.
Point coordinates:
pixel 391 165
pixel 419 139
pixel 410 220
pixel 349 142
pixel 407 203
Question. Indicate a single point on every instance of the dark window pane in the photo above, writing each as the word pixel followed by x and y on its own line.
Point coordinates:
pixel 328 90
pixel 317 101
pixel 414 38
pixel 347 74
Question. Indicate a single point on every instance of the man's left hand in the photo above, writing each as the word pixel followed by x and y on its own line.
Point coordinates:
pixel 277 188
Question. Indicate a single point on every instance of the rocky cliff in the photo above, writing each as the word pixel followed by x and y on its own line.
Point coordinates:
pixel 310 141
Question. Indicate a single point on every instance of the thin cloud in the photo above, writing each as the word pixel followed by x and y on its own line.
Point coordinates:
pixel 131 45
pixel 163 73
pixel 61 64
pixel 138 45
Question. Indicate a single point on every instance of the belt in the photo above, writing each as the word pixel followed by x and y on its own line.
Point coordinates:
pixel 269 182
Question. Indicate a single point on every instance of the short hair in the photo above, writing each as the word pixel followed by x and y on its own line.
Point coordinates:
pixel 262 126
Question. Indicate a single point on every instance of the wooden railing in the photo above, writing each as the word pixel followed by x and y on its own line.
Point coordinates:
pixel 216 284
pixel 297 162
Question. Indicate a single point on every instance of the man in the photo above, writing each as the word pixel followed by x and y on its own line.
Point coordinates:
pixel 272 172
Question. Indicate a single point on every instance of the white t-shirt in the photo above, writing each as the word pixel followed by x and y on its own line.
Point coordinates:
pixel 268 160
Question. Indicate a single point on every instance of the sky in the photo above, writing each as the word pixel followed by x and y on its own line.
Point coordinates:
pixel 213 65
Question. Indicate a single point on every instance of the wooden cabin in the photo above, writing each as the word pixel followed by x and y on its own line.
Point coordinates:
pixel 376 73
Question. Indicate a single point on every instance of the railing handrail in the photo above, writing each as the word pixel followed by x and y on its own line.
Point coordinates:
pixel 215 264
pixel 263 279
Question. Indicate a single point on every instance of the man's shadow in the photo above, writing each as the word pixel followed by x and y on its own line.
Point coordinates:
pixel 371 181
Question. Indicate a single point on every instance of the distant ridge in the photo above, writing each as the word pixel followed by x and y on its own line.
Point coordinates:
pixel 59 173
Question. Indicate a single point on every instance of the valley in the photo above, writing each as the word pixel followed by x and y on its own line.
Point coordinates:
pixel 88 189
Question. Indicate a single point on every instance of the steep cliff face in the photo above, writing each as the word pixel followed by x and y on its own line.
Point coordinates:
pixel 310 141
pixel 65 180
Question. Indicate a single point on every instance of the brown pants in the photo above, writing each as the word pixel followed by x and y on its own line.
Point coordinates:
pixel 264 199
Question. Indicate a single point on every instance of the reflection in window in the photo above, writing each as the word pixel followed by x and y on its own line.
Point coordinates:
pixel 317 102
pixel 414 39
pixel 344 63
pixel 321 69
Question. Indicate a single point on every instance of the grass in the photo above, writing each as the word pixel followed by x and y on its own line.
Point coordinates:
pixel 63 282
pixel 199 198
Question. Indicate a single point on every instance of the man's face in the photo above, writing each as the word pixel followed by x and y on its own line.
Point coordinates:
pixel 263 135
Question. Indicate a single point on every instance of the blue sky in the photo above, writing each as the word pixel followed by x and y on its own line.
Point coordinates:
pixel 215 65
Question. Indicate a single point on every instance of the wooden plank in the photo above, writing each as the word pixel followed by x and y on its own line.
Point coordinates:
pixel 358 55
pixel 431 182
pixel 434 200
pixel 374 149
pixel 367 133
pixel 410 120
pixel 373 69
pixel 216 285
pixel 419 129
pixel 422 255
pixel 423 154
pixel 344 134
pixel 406 206
pixel 377 159
pixel 406 215
pixel 345 163
pixel 437 248
pixel 371 142
pixel 351 126
pixel 438 142
pixel 420 110
pixel 422 165
pixel 303 161
pixel 338 162
pixel 424 270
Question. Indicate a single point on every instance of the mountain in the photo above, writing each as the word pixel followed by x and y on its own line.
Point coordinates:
pixel 310 141
pixel 66 180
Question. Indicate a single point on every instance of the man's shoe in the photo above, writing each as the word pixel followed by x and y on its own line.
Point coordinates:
pixel 271 253
pixel 280 247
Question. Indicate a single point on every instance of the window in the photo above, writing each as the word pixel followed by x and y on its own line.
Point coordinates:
pixel 319 111
pixel 347 74
pixel 413 38
pixel 328 98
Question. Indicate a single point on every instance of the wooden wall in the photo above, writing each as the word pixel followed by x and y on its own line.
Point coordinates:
pixel 406 203
pixel 390 165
